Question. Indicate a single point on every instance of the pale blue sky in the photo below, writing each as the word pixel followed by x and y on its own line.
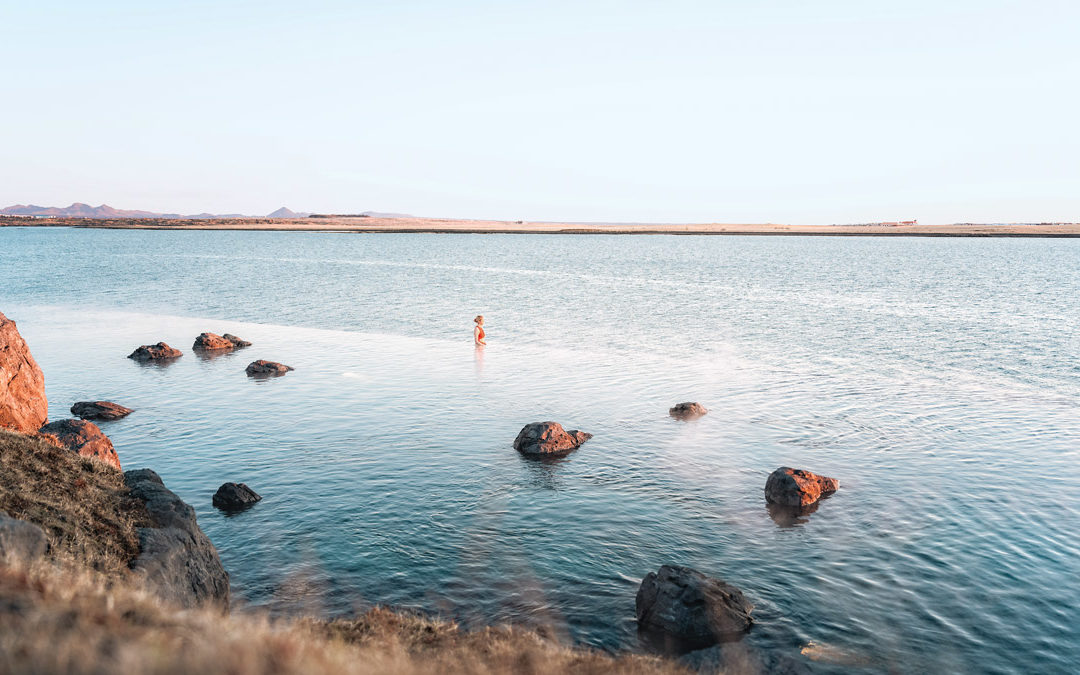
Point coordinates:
pixel 782 111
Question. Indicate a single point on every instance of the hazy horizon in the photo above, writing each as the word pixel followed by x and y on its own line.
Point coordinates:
pixel 587 112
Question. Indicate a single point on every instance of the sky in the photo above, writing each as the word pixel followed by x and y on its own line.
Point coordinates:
pixel 788 111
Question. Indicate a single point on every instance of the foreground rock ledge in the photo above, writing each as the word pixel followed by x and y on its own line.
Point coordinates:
pixel 176 559
pixel 688 410
pixel 235 497
pixel 81 437
pixel 214 342
pixel 20 541
pixel 158 352
pixel 100 410
pixel 686 609
pixel 797 488
pixel 23 406
pixel 548 438
pixel 261 367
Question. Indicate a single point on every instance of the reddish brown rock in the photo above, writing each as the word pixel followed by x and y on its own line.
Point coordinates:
pixel 99 410
pixel 548 438
pixel 795 487
pixel 158 352
pixel 236 342
pixel 687 411
pixel 211 342
pixel 261 367
pixel 82 437
pixel 22 385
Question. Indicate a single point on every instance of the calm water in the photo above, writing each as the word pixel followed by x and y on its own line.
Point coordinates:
pixel 938 379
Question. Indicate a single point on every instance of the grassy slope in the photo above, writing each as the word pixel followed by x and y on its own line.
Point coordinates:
pixel 73 613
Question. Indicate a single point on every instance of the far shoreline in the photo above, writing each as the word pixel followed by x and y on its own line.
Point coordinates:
pixel 413 225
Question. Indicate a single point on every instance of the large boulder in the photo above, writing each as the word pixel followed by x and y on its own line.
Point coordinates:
pixel 213 342
pixel 687 411
pixel 235 497
pixel 266 368
pixel 99 410
pixel 797 488
pixel 158 352
pixel 690 608
pixel 83 438
pixel 22 385
pixel 176 559
pixel 20 541
pixel 548 438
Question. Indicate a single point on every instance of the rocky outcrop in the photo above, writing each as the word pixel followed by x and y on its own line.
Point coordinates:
pixel 548 438
pixel 691 609
pixel 266 368
pixel 158 352
pixel 22 385
pixel 20 541
pixel 797 488
pixel 176 559
pixel 213 342
pixel 235 497
pixel 687 411
pixel 99 410
pixel 83 438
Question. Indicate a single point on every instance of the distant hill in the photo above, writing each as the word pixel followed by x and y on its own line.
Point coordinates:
pixel 79 210
pixel 286 212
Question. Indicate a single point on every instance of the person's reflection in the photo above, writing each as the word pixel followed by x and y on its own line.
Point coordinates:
pixel 478 360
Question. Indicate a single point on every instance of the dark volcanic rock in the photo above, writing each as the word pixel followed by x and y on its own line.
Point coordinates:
pixel 548 438
pixel 261 367
pixel 157 352
pixel 235 496
pixel 82 437
pixel 690 610
pixel 20 540
pixel 236 342
pixel 22 385
pixel 176 558
pixel 99 410
pixel 688 410
pixel 795 487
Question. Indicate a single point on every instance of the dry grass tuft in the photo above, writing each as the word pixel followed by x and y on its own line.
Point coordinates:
pixel 81 503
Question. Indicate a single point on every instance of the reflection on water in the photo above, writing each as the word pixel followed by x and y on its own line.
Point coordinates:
pixel 934 378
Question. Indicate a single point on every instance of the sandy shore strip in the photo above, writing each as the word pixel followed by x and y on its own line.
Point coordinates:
pixel 445 225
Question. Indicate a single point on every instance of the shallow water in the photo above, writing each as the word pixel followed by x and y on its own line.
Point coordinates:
pixel 938 379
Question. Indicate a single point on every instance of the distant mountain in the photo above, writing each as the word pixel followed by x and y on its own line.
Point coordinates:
pixel 286 212
pixel 78 210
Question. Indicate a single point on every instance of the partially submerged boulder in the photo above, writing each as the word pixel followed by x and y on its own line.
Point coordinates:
pixel 688 410
pixel 176 559
pixel 83 438
pixel 690 609
pixel 262 367
pixel 20 541
pixel 23 406
pixel 548 438
pixel 235 497
pixel 797 488
pixel 214 342
pixel 100 410
pixel 158 352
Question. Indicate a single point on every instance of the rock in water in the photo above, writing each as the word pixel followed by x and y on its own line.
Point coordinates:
pixel 20 540
pixel 176 558
pixel 261 367
pixel 211 342
pixel 795 487
pixel 688 410
pixel 99 410
pixel 83 438
pixel 548 438
pixel 684 604
pixel 23 406
pixel 158 352
pixel 236 342
pixel 235 496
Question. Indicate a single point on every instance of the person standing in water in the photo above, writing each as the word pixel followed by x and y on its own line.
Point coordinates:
pixel 478 332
